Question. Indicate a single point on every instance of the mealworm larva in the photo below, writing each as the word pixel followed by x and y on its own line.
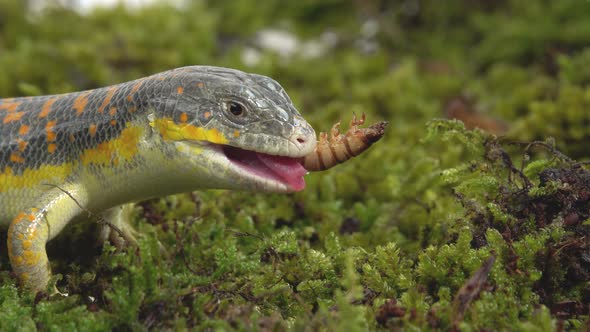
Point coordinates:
pixel 338 148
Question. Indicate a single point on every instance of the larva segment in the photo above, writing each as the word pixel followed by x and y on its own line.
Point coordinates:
pixel 338 148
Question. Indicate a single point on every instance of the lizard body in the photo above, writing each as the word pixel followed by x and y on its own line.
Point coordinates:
pixel 185 129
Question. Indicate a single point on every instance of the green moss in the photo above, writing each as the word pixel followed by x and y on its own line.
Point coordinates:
pixel 15 312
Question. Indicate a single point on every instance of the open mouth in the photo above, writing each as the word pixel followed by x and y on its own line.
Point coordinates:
pixel 285 170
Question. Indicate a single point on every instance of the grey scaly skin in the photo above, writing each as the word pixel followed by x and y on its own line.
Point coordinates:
pixel 64 155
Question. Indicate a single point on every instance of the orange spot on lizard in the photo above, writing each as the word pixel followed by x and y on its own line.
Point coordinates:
pixel 46 108
pixel 19 217
pixel 81 102
pixel 16 158
pixel 107 99
pixel 134 89
pixel 49 130
pixel 9 106
pixel 12 117
pixel 92 130
pixel 23 130
pixel 22 145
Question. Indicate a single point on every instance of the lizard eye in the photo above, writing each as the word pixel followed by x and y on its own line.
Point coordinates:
pixel 235 108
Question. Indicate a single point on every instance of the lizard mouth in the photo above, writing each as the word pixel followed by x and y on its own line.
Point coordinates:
pixel 285 170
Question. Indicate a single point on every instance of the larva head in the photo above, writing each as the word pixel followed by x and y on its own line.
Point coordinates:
pixel 244 125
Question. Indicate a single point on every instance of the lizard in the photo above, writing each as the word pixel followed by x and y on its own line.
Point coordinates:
pixel 186 129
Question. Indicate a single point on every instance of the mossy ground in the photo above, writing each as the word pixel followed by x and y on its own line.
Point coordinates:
pixel 435 227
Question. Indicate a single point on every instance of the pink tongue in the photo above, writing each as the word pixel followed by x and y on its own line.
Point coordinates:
pixel 288 169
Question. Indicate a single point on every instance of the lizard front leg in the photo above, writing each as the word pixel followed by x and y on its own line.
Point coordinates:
pixel 116 226
pixel 33 227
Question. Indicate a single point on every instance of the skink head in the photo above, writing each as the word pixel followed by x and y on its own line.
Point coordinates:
pixel 240 130
pixel 247 111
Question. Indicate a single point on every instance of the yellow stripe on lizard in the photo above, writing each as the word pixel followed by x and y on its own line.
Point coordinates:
pixel 32 177
pixel 178 132
pixel 122 148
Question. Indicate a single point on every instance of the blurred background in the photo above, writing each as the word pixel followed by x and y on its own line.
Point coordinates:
pixel 489 63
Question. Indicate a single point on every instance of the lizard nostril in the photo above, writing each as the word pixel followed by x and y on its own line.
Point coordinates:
pixel 300 140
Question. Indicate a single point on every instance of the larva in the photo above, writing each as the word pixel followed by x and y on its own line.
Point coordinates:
pixel 338 148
